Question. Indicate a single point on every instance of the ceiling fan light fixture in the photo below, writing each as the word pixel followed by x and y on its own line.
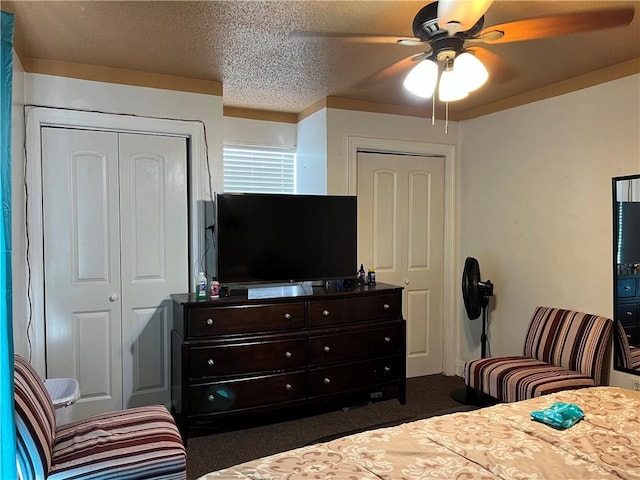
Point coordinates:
pixel 422 79
pixel 470 70
pixel 452 86
pixel 464 13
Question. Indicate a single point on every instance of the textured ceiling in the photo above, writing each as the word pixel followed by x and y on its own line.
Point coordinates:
pixel 246 45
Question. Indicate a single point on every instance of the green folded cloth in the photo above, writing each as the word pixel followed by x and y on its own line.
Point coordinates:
pixel 559 415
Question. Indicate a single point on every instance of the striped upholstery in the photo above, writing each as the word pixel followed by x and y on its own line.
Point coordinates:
pixel 35 421
pixel 634 359
pixel 563 350
pixel 137 443
pixel 625 356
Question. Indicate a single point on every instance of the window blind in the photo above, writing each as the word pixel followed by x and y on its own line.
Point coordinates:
pixel 259 170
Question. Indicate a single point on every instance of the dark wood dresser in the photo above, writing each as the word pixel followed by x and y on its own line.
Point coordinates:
pixel 628 306
pixel 282 347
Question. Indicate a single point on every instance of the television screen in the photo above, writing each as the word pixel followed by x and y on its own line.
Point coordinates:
pixel 264 238
pixel 628 232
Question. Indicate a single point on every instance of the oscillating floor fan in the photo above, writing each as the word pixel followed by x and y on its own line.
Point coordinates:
pixel 475 294
pixel 476 297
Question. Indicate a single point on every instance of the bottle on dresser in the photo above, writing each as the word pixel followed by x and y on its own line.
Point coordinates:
pixel 201 285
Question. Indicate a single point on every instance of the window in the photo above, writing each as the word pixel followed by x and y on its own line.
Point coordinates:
pixel 259 170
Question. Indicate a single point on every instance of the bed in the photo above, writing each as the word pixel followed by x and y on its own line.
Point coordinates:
pixel 498 442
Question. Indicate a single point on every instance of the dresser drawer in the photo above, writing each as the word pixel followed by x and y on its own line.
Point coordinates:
pixel 627 313
pixel 243 358
pixel 210 321
pixel 354 376
pixel 239 394
pixel 353 345
pixel 327 312
pixel 375 307
pixel 626 287
pixel 357 309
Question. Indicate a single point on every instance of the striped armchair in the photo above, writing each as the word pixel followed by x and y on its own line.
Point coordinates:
pixel 138 443
pixel 563 350
pixel 625 356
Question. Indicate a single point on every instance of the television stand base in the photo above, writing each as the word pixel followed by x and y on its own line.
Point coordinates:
pixel 234 291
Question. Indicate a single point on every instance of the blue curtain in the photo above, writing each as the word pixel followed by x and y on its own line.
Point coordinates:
pixel 7 425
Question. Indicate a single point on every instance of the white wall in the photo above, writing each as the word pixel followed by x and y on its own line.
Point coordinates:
pixel 341 124
pixel 260 133
pixel 535 209
pixel 311 157
pixel 18 200
pixel 534 185
pixel 69 93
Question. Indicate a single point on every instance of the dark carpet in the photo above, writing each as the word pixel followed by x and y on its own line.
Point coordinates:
pixel 244 441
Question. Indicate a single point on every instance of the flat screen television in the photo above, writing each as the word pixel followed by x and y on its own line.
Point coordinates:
pixel 277 238
pixel 628 232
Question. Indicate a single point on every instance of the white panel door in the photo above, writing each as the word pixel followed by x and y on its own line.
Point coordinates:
pixel 401 236
pixel 153 207
pixel 82 264
pixel 115 220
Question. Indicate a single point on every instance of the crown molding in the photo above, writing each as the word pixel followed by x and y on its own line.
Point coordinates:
pixel 120 76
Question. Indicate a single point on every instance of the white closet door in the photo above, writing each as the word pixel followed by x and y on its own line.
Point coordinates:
pixel 82 264
pixel 153 213
pixel 401 236
pixel 115 230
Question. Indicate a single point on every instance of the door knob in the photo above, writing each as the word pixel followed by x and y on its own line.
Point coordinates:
pixel 113 298
pixel 406 281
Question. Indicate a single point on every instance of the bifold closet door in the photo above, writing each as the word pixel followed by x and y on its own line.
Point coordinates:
pixel 115 230
pixel 154 236
pixel 82 264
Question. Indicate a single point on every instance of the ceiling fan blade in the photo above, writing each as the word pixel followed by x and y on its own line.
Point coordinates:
pixel 394 69
pixel 500 71
pixel 564 24
pixel 485 37
pixel 352 37
pixel 461 14
pixel 414 42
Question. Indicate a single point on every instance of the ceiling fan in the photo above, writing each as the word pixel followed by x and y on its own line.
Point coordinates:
pixel 452 35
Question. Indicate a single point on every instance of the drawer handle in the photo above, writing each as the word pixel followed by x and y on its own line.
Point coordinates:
pixel 325 313
pixel 387 369
pixel 386 306
pixel 628 313
pixel 211 398
pixel 210 362
pixel 627 288
pixel 327 380
pixel 287 354
pixel 288 386
pixel 387 339
pixel 327 348
pixel 209 321
pixel 287 316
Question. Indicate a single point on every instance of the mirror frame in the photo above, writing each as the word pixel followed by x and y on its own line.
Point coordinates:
pixel 614 183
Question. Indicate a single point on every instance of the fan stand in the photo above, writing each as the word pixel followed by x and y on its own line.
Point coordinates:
pixel 460 394
pixel 484 303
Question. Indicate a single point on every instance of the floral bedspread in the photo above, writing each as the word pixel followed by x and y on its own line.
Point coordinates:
pixel 499 442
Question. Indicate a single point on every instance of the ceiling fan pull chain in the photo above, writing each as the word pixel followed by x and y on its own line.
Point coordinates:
pixel 446 117
pixel 433 110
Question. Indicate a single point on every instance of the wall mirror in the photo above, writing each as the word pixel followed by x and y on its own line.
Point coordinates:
pixel 626 273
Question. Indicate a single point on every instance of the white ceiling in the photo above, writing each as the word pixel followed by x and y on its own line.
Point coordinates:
pixel 247 46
